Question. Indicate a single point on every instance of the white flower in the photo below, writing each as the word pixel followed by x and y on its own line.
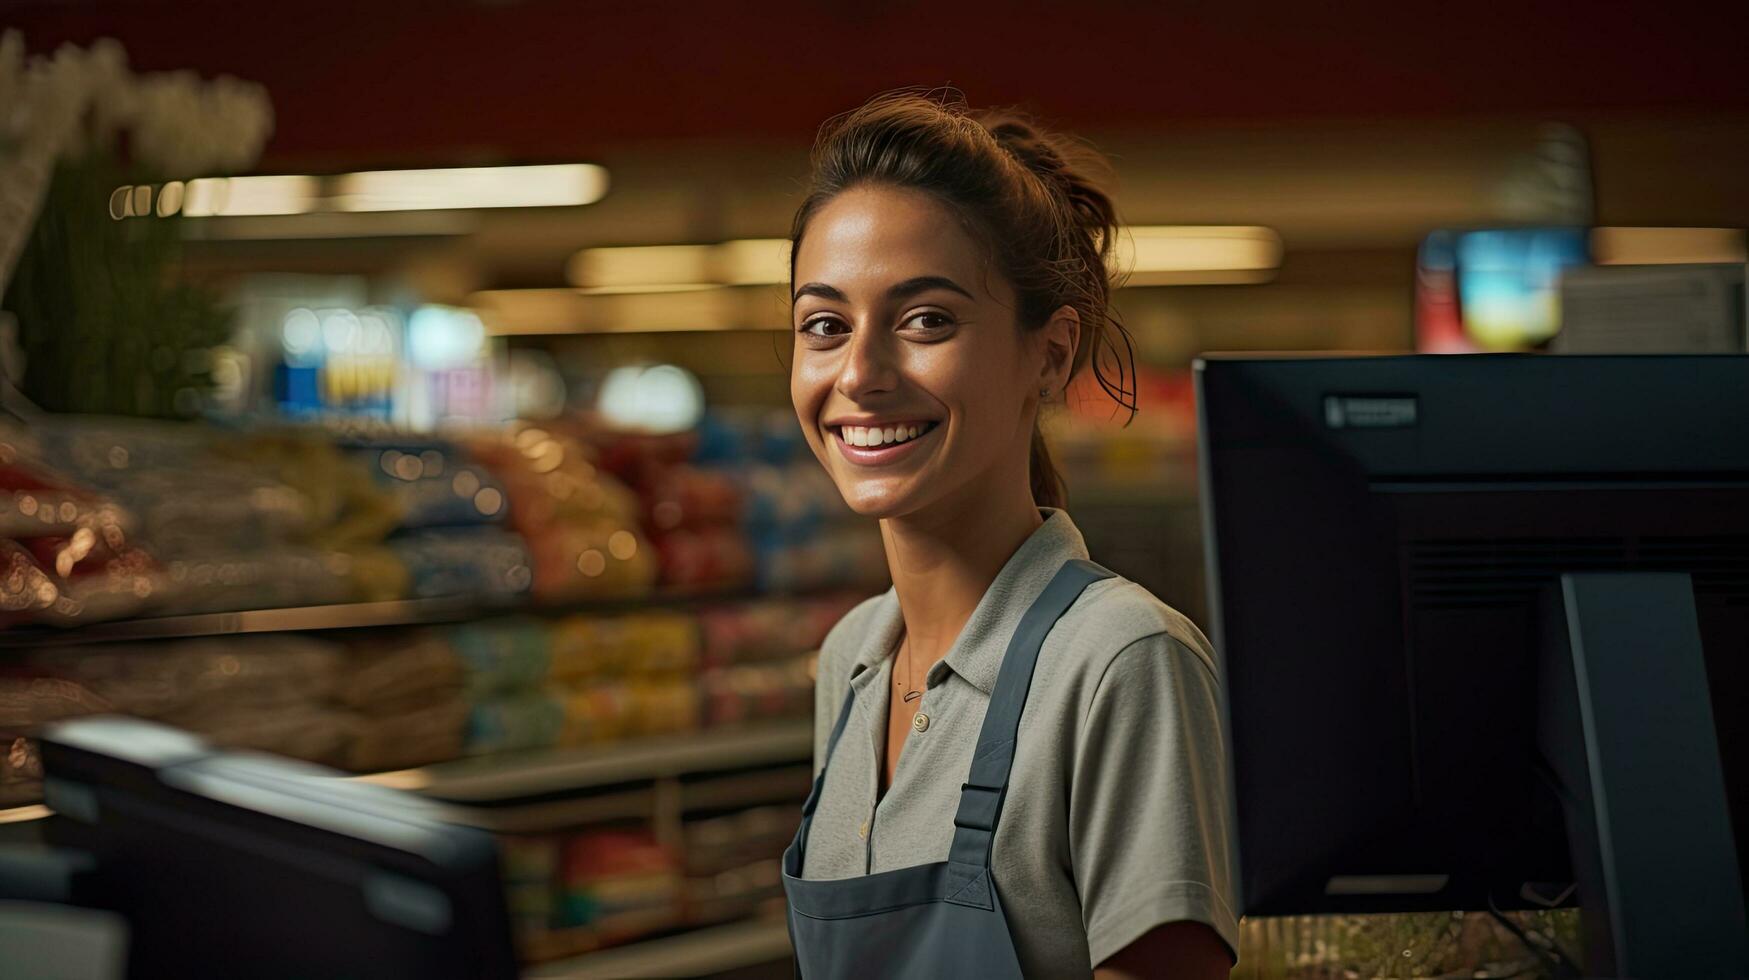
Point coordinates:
pixel 175 123
pixel 185 127
pixel 77 100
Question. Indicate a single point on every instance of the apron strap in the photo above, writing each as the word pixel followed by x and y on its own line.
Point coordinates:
pixel 820 780
pixel 982 794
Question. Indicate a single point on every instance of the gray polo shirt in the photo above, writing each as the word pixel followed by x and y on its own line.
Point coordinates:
pixel 1117 816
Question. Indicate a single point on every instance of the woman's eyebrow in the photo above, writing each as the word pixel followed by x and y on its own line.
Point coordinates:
pixel 921 284
pixel 896 292
pixel 819 289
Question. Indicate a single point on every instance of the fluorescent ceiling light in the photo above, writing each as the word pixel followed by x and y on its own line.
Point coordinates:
pixel 462 188
pixel 1165 254
pixel 1668 246
pixel 558 185
pixel 753 262
pixel 670 268
pixel 227 196
pixel 513 312
pixel 644 268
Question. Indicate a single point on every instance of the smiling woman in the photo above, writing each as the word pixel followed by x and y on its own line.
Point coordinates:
pixel 1039 771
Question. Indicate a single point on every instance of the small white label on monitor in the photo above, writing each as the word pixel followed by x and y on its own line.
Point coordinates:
pixel 1385 884
pixel 1369 411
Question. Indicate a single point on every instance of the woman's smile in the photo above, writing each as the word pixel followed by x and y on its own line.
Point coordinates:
pixel 880 445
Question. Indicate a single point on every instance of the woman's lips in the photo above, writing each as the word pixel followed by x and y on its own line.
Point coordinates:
pixel 878 455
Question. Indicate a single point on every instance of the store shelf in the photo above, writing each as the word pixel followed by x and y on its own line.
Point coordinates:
pixel 690 954
pixel 360 615
pixel 352 615
pixel 488 779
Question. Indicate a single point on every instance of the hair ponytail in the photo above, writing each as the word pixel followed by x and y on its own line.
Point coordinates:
pixel 1047 483
pixel 1026 194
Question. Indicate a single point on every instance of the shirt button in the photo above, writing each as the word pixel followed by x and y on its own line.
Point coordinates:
pixel 862 831
pixel 920 721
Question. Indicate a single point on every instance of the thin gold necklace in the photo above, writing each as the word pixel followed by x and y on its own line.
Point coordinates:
pixel 905 685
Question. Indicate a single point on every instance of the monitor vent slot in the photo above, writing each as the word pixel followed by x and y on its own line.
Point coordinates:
pixel 1507 571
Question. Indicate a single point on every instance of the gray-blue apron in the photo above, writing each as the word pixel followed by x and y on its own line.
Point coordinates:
pixel 943 919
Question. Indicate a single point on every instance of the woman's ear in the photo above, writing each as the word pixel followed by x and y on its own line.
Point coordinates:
pixel 1060 337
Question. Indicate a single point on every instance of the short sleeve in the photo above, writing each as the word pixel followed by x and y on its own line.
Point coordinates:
pixel 1151 834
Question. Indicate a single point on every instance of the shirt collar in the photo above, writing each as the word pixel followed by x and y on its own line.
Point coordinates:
pixel 977 653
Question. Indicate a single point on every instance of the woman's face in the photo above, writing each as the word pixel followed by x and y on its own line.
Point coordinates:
pixel 912 381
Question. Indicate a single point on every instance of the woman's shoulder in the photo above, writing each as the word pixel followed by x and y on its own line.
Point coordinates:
pixel 1116 614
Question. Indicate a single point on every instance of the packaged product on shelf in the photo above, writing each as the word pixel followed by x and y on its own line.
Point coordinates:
pixel 730 436
pixel 610 875
pixel 30 699
pixel 373 572
pixel 313 732
pixel 769 629
pixel 641 460
pixel 483 563
pixel 836 556
pixel 347 506
pixel 592 559
pixel 498 656
pixel 515 722
pixel 408 735
pixel 724 843
pixel 580 523
pixel 688 496
pixel 585 647
pixel 664 707
pixel 693 513
pixel 796 498
pixel 388 668
pixel 530 864
pixel 272 692
pixel 237 520
pixel 75 579
pixel 193 488
pixel 758 692
pixel 66 552
pixel 600 712
pixel 28 593
pixel 707 559
pixel 735 893
pixel 733 862
pixel 434 482
pixel 608 710
pixel 34 502
pixel 163 679
pixel 264 578
pixel 406 688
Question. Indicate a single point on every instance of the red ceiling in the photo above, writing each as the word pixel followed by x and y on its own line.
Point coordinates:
pixel 448 81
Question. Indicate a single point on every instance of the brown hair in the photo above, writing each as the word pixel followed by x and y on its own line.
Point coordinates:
pixel 1050 230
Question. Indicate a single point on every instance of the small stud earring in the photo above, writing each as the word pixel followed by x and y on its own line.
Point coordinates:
pixel 1044 393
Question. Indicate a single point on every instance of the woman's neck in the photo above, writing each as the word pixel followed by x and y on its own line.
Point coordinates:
pixel 943 562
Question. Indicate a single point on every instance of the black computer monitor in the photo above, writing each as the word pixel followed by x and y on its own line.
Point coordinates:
pixel 1474 611
pixel 242 865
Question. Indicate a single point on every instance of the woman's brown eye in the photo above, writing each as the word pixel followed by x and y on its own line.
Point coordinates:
pixel 823 327
pixel 932 321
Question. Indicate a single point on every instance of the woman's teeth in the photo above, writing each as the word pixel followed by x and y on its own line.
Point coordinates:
pixel 870 436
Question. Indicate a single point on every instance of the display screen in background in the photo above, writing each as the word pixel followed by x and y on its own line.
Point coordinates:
pixel 1509 283
pixel 1493 289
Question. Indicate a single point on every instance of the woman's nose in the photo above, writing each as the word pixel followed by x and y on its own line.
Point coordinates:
pixel 869 365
